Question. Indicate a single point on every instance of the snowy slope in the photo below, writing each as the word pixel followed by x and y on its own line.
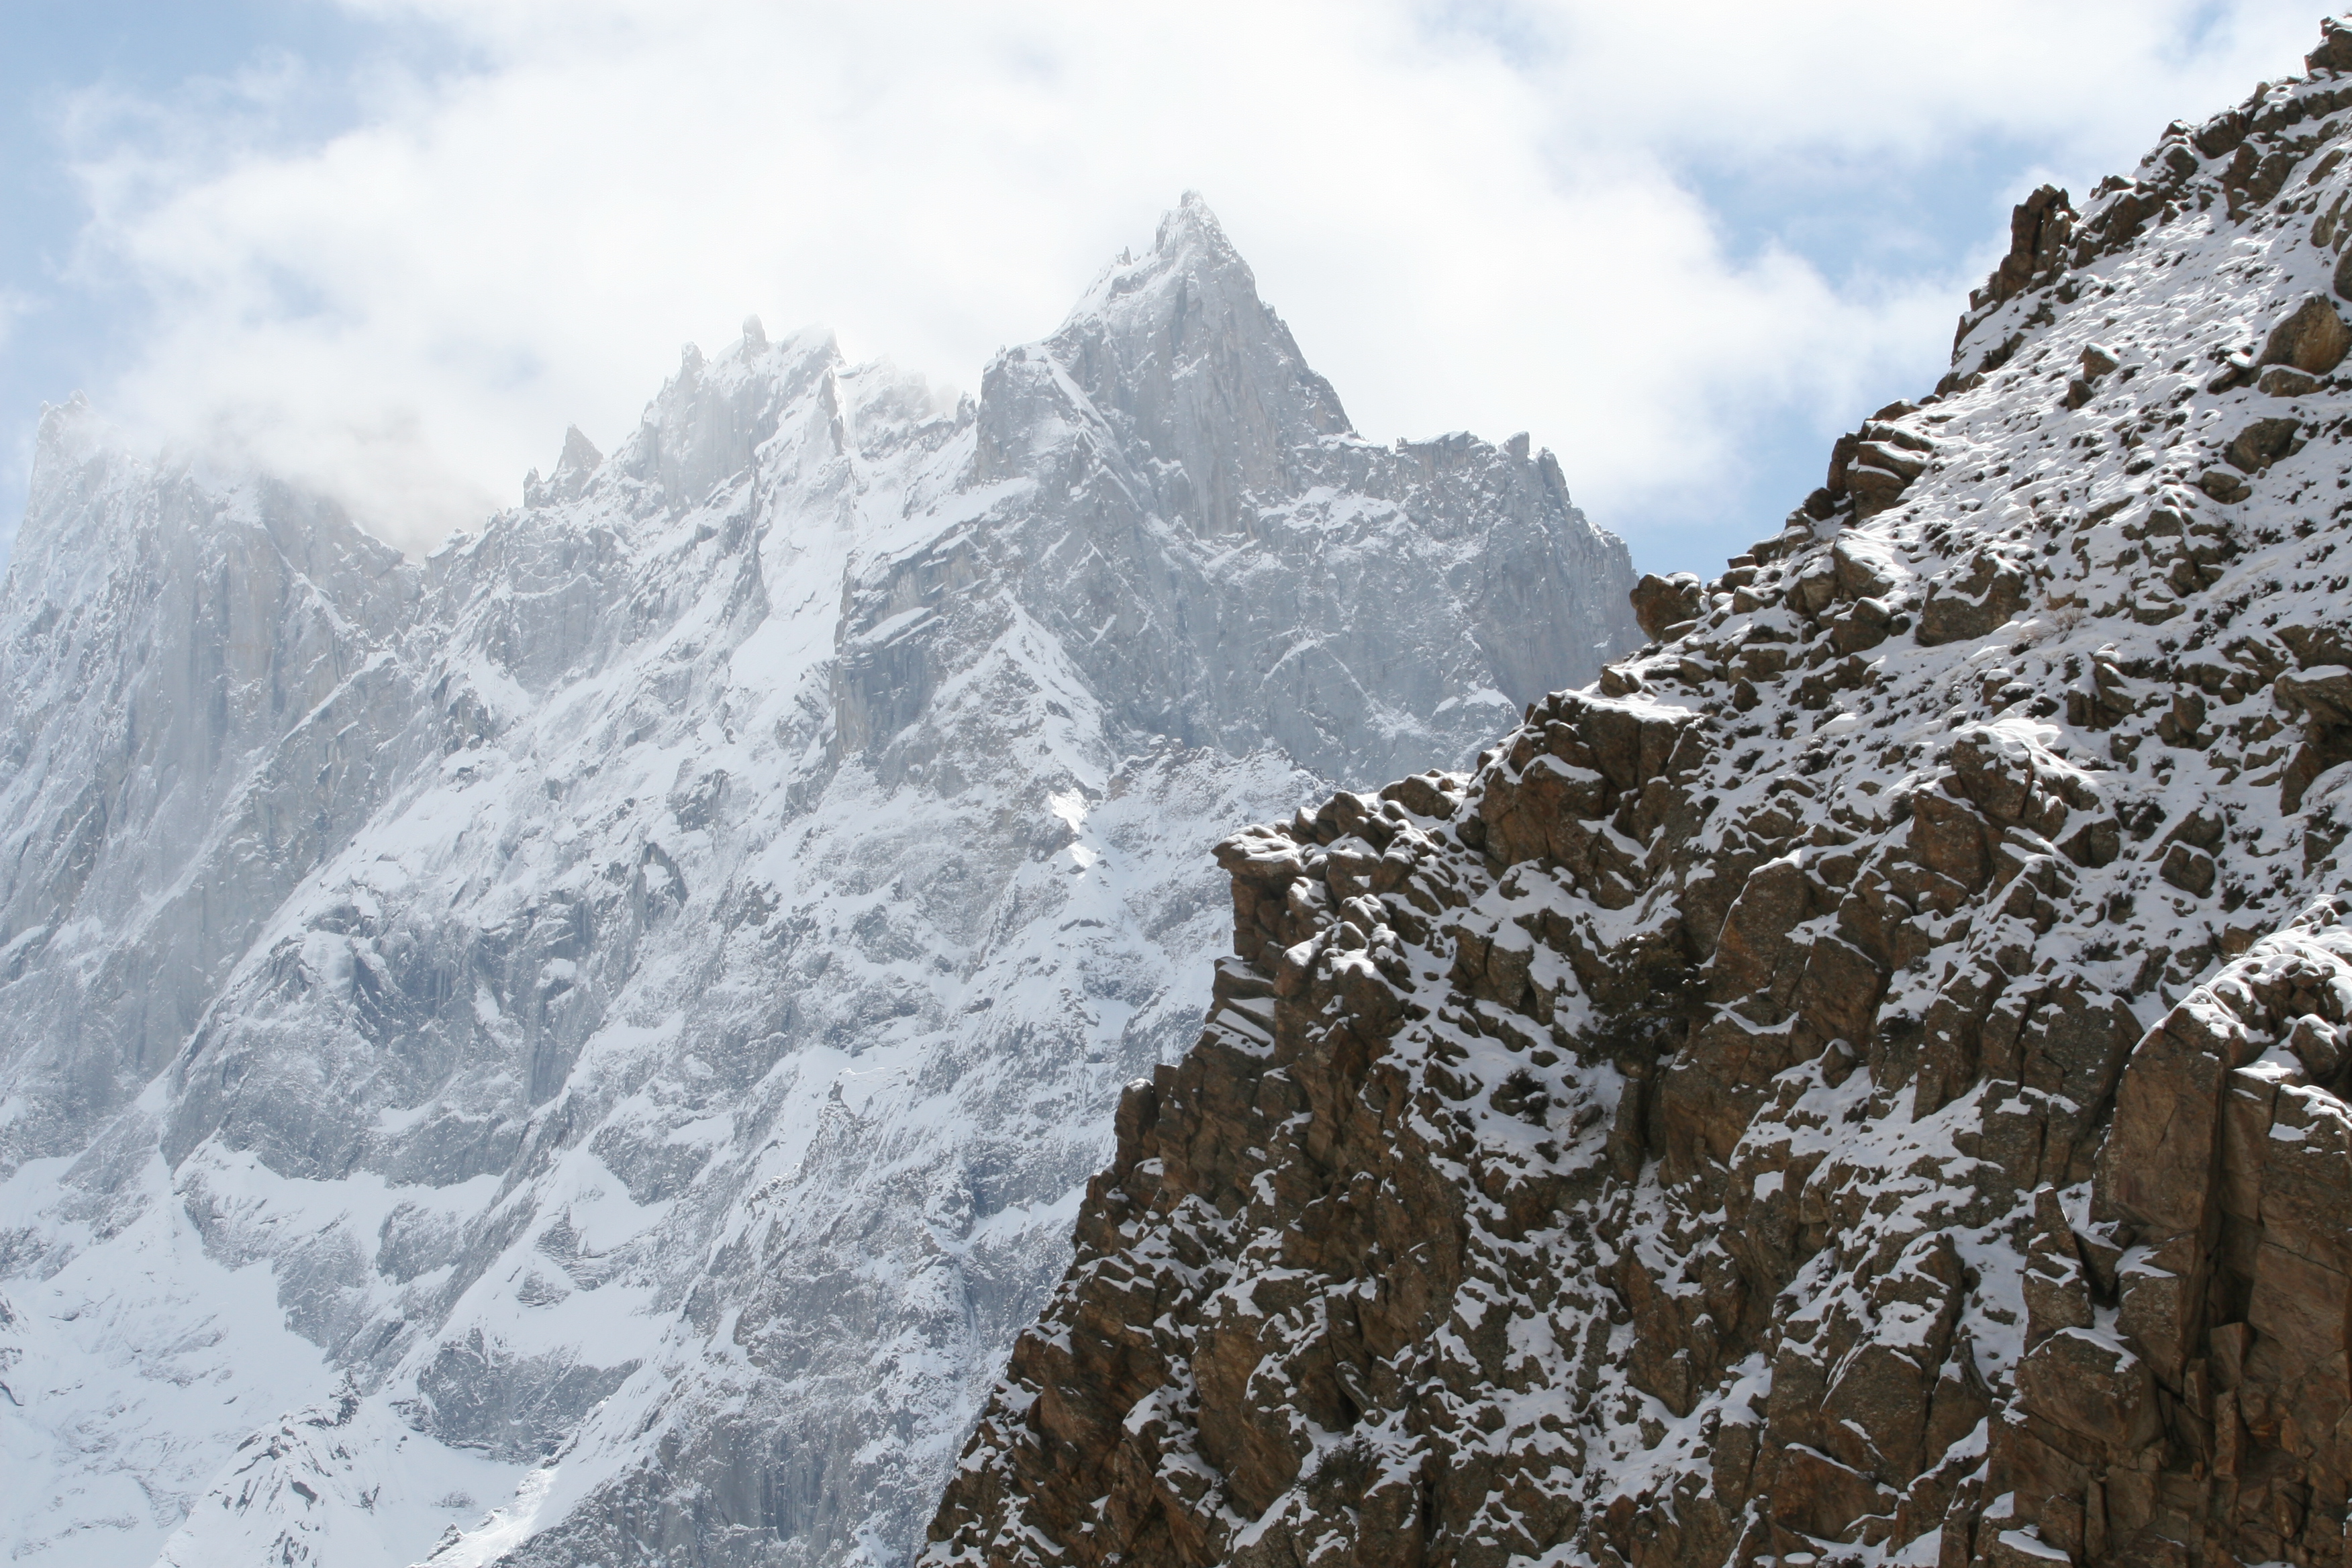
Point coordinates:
pixel 609 1026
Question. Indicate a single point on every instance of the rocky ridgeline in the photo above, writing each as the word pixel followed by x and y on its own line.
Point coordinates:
pixel 1866 1081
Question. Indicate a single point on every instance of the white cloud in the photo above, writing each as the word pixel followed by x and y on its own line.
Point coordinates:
pixel 16 455
pixel 1484 216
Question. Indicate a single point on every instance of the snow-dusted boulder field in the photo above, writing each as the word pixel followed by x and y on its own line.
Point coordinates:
pixel 588 1048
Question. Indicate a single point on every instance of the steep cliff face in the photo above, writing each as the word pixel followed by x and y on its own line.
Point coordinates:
pixel 210 655
pixel 1865 1081
pixel 606 1028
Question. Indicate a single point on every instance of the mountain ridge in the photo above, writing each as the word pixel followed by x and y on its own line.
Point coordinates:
pixel 1863 1082
pixel 693 927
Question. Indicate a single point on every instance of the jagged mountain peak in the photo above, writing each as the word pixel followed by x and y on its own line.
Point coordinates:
pixel 580 454
pixel 703 434
pixel 575 466
pixel 1189 223
pixel 1188 243
pixel 702 430
pixel 608 1024
pixel 101 520
pixel 59 419
pixel 73 450
pixel 1173 352
pixel 1176 346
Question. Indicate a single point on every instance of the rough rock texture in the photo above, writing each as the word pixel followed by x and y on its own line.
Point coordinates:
pixel 1863 1082
pixel 606 1028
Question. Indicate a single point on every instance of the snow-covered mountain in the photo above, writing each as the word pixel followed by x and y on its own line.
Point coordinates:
pixel 1868 1083
pixel 588 1048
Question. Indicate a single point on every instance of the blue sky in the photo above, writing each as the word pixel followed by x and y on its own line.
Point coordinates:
pixel 70 327
pixel 392 247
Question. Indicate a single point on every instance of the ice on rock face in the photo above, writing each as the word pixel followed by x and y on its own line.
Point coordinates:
pixel 617 1018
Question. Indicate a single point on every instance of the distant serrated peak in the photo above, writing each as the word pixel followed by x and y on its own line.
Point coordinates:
pixel 1177 349
pixel 71 433
pixel 1189 244
pixel 70 535
pixel 58 419
pixel 703 427
pixel 1190 228
pixel 573 468
pixel 580 454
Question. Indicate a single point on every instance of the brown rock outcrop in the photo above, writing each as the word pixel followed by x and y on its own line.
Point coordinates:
pixel 2039 233
pixel 2311 337
pixel 1660 603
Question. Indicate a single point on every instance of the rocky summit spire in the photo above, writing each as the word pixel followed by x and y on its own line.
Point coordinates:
pixel 574 467
pixel 1192 572
pixel 580 455
pixel 1175 352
